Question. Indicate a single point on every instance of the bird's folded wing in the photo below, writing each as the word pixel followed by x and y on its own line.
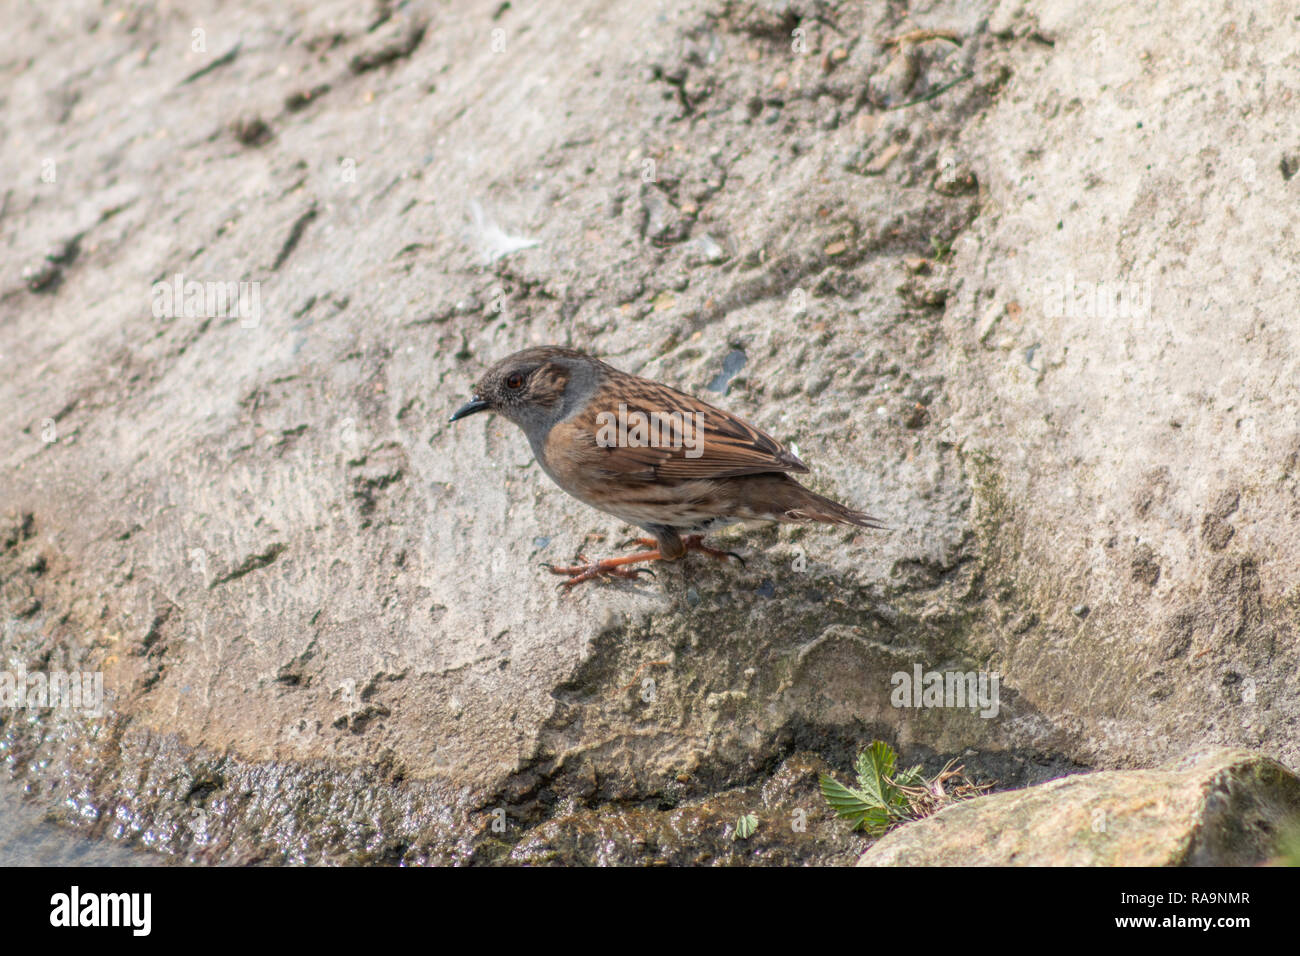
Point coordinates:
pixel 654 432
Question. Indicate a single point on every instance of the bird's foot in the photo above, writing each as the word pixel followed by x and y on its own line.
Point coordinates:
pixel 692 542
pixel 587 570
pixel 695 542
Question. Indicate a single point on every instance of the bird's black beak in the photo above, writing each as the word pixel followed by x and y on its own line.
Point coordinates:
pixel 475 404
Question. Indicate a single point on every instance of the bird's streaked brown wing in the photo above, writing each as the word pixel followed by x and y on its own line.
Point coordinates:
pixel 695 440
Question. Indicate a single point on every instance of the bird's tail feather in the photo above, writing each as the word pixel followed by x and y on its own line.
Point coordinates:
pixel 809 506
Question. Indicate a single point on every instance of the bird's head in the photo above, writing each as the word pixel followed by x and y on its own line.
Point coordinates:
pixel 534 388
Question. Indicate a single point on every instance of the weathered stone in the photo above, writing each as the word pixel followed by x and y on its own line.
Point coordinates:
pixel 1215 808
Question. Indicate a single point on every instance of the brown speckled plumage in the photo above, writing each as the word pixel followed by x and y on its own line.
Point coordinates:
pixel 695 469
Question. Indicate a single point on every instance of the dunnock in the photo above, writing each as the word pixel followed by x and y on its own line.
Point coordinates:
pixel 648 454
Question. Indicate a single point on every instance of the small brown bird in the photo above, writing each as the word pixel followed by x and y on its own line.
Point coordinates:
pixel 648 454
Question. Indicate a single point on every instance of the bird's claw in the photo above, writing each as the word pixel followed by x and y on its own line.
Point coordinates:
pixel 696 543
pixel 587 570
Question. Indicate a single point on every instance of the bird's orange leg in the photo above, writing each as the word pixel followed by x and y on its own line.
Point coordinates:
pixel 693 542
pixel 607 567
pixel 588 570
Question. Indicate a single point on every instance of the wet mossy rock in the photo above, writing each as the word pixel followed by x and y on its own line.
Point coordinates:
pixel 1214 808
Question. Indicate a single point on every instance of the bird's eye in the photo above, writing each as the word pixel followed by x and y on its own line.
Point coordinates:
pixel 515 381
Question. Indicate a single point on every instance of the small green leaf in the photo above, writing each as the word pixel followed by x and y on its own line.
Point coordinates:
pixel 873 765
pixel 886 795
pixel 853 805
pixel 745 827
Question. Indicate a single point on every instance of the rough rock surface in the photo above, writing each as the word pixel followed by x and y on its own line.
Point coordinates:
pixel 1217 808
pixel 318 607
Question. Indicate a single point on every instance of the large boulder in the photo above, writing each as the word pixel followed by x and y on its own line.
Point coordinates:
pixel 1211 808
pixel 317 607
